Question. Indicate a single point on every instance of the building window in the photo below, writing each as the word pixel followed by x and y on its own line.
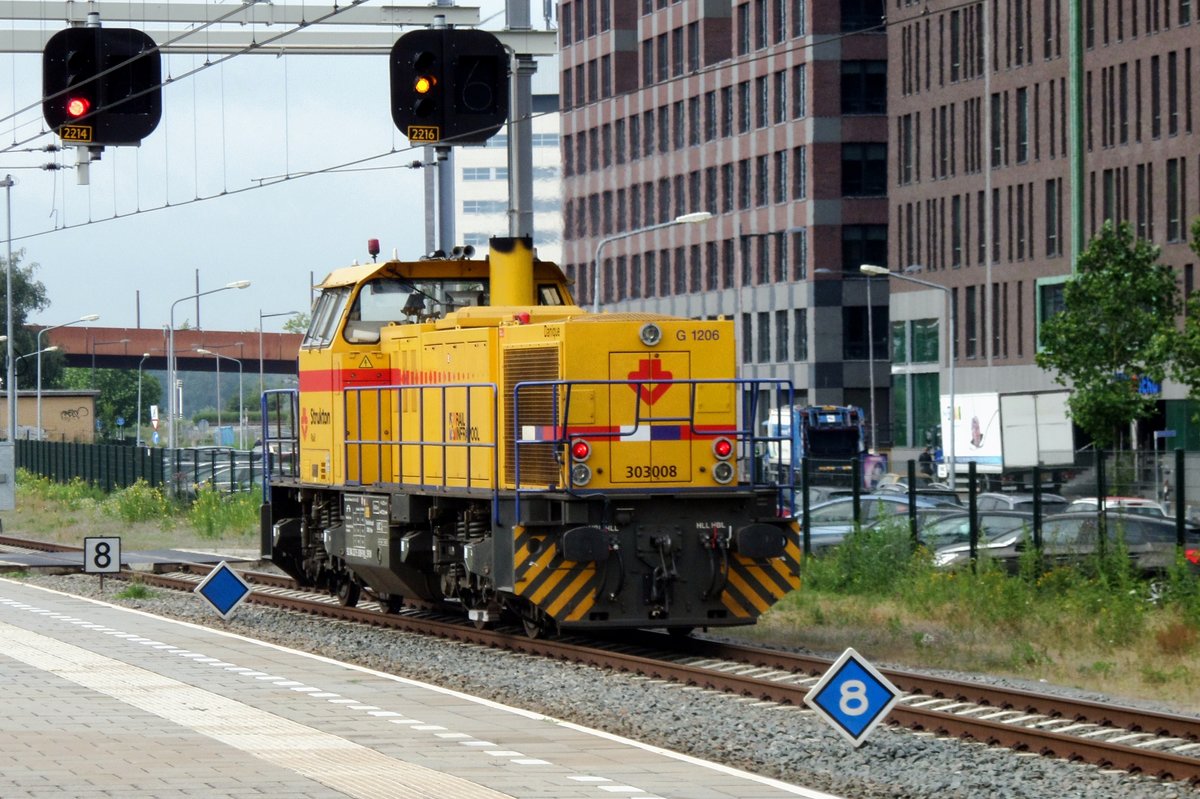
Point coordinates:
pixel 862 15
pixel 864 169
pixel 864 87
pixel 800 340
pixel 863 244
pixel 799 91
pixel 782 336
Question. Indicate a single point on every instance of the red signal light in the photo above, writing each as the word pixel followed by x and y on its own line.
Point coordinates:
pixel 77 106
pixel 722 448
pixel 580 450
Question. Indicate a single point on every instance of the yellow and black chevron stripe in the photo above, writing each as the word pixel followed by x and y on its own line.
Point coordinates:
pixel 564 589
pixel 753 586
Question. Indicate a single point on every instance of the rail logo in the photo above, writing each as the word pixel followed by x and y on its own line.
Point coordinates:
pixel 650 369
pixel 318 417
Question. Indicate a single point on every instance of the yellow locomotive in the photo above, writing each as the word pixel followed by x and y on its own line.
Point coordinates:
pixel 464 434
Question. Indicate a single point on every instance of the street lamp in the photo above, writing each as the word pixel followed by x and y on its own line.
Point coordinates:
pixel 261 317
pixel 698 216
pixel 38 354
pixel 871 355
pixel 241 411
pixel 10 384
pixel 96 344
pixel 92 317
pixel 137 424
pixel 171 409
pixel 869 269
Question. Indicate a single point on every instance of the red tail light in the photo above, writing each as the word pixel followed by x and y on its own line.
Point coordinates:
pixel 722 448
pixel 580 449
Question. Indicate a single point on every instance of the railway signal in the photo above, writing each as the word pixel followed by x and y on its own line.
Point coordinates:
pixel 101 86
pixel 449 86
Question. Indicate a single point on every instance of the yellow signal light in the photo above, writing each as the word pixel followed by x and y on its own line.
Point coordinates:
pixel 425 84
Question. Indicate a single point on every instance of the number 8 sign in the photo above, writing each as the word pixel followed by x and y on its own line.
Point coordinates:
pixel 853 697
pixel 102 555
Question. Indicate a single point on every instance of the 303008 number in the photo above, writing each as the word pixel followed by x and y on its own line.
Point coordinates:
pixel 651 472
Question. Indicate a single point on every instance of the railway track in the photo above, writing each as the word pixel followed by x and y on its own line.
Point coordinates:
pixel 1106 735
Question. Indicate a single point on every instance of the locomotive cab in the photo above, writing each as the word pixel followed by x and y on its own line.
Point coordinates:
pixel 469 436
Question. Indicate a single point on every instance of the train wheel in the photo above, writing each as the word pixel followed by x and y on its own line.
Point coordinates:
pixel 348 593
pixel 394 603
pixel 532 628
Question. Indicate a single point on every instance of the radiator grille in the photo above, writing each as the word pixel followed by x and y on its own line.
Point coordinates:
pixel 539 465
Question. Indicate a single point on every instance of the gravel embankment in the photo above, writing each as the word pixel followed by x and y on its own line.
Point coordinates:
pixel 787 744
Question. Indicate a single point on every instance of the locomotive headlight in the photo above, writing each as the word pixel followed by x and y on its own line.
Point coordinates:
pixel 723 472
pixel 650 334
pixel 581 474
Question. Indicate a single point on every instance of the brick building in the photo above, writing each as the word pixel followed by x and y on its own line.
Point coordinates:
pixel 979 177
pixel 771 115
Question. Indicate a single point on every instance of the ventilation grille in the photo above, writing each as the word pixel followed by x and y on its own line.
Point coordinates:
pixel 539 465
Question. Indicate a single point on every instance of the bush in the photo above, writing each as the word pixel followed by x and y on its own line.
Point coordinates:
pixel 73 495
pixel 139 502
pixel 215 513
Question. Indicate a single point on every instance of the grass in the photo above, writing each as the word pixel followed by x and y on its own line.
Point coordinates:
pixel 141 515
pixel 1097 626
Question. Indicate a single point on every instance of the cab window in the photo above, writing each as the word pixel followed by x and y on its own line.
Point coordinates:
pixel 326 313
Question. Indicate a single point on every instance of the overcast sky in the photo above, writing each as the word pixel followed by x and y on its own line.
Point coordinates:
pixel 256 117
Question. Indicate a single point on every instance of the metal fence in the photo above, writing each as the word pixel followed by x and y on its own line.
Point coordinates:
pixel 112 466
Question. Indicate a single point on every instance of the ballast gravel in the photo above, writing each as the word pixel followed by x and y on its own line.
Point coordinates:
pixel 789 744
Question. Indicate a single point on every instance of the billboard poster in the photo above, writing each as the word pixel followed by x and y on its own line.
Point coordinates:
pixel 974 422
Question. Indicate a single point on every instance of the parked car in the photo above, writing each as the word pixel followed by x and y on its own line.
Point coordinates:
pixel 830 522
pixel 955 528
pixel 1004 500
pixel 1134 505
pixel 1071 538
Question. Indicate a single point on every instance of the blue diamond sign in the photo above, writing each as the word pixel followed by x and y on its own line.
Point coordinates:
pixel 224 589
pixel 853 697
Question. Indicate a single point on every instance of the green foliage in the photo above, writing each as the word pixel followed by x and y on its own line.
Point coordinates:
pixel 215 514
pixel 139 502
pixel 118 395
pixel 1117 325
pixel 29 295
pixel 1186 352
pixel 135 591
pixel 1103 598
pixel 72 496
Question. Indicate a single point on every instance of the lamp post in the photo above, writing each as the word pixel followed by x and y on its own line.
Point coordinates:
pixel 261 317
pixel 96 344
pixel 171 407
pixel 871 355
pixel 10 382
pixel 137 424
pixel 38 355
pixel 869 269
pixel 685 219
pixel 92 317
pixel 241 410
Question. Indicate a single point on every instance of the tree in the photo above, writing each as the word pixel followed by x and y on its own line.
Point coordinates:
pixel 296 324
pixel 1116 327
pixel 29 295
pixel 118 395
pixel 1186 360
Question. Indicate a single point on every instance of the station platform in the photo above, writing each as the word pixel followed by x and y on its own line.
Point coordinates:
pixel 104 701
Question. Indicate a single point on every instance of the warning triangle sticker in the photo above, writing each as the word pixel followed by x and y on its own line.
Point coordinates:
pixel 366 362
